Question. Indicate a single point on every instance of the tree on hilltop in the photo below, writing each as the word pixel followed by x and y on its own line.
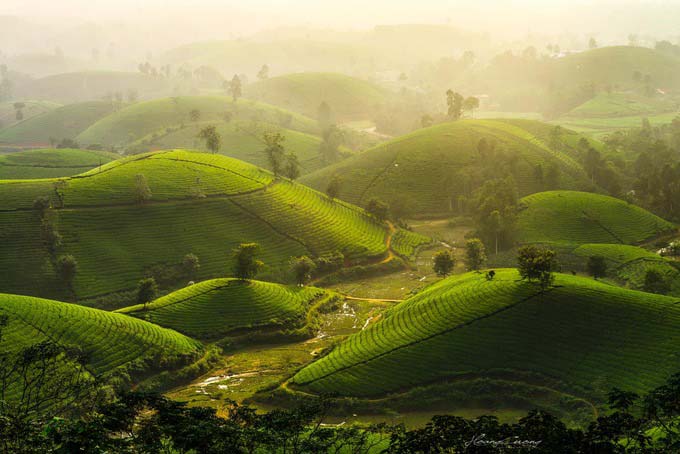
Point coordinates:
pixel 537 264
pixel 470 104
pixel 443 263
pixel 147 289
pixel 211 138
pixel 454 101
pixel 292 170
pixel 246 264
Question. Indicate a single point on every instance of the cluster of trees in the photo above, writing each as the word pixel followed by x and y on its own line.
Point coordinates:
pixel 652 173
pixel 457 104
pixel 280 162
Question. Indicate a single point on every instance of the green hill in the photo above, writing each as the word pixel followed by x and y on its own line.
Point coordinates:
pixel 63 122
pixel 30 110
pixel 424 172
pixel 579 335
pixel 201 203
pixel 241 140
pixel 606 105
pixel 629 264
pixel 614 66
pixel 110 341
pixel 349 98
pixel 581 217
pixel 147 121
pixel 93 85
pixel 212 309
pixel 51 163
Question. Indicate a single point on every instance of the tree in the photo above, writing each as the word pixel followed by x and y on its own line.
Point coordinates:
pixel 324 115
pixel 470 104
pixel 443 263
pixel 592 44
pixel 42 205
pixel 67 267
pixel 191 265
pixel 211 138
pixel 142 190
pixel 378 209
pixel 263 73
pixel 597 266
pixel 655 282
pixel 495 221
pixel 476 254
pixel 194 115
pixel 537 264
pixel 334 186
pixel 147 289
pixel 426 121
pixel 19 112
pixel 246 264
pixel 332 137
pixel 274 151
pixel 235 88
pixel 292 170
pixel 302 268
pixel 454 101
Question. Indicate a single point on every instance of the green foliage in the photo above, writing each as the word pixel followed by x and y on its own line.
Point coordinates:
pixel 211 138
pixel 67 267
pixel 142 191
pixel 274 150
pixel 191 265
pixel 597 266
pixel 51 163
pixel 302 268
pixel 378 209
pixel 454 101
pixel 655 282
pixel 443 263
pixel 147 289
pixel 334 187
pixel 537 264
pixel 246 265
pixel 475 253
pixel 235 88
pixel 468 325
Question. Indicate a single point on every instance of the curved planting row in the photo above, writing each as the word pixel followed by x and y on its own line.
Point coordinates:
pixel 579 332
pixel 582 217
pixel 213 308
pixel 109 340
pixel 322 224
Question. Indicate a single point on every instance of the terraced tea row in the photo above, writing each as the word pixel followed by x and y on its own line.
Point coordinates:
pixel 580 217
pixel 109 340
pixel 580 332
pixel 51 163
pixel 211 309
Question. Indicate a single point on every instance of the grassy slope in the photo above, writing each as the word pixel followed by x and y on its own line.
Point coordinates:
pixel 349 98
pixel 580 332
pixel 63 122
pixel 109 340
pixel 413 168
pixel 51 163
pixel 90 85
pixel 32 109
pixel 607 105
pixel 213 308
pixel 203 204
pixel 143 120
pixel 581 217
pixel 243 140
